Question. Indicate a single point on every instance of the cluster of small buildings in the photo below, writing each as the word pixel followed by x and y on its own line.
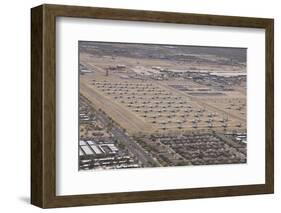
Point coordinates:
pixel 103 155
pixel 156 107
pixel 194 149
pixel 83 69
pixel 98 149
pixel 241 137
pixel 90 126
pixel 221 81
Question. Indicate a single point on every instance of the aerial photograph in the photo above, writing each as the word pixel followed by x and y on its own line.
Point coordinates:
pixel 161 105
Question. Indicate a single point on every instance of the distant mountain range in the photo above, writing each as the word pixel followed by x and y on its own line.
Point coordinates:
pixel 164 51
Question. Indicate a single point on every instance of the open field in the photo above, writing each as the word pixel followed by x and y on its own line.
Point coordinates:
pixel 168 90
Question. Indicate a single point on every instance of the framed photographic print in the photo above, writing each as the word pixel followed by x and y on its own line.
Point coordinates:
pixel 136 106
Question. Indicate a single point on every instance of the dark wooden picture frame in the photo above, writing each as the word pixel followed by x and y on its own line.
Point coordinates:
pixel 43 105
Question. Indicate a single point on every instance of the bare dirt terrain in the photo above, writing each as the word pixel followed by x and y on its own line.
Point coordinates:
pixel 159 90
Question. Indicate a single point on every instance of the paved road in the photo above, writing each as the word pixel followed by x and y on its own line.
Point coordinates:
pixel 134 148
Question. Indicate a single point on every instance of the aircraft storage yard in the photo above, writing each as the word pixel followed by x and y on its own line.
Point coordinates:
pixel 146 105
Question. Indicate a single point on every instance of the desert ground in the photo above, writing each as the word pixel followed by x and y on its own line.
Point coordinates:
pixel 167 93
